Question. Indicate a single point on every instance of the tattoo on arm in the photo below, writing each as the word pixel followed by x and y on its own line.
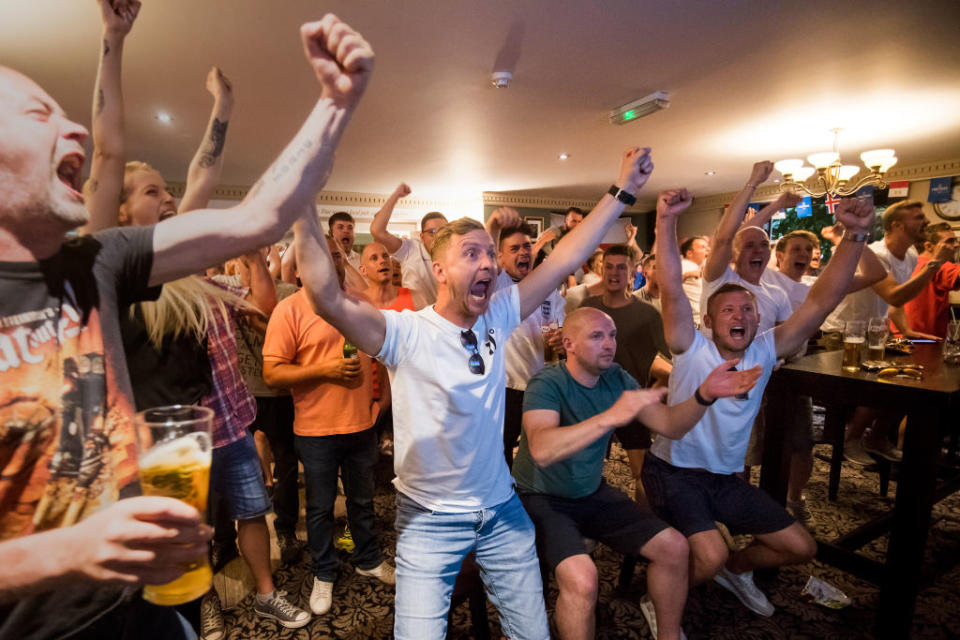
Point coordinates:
pixel 218 135
pixel 100 103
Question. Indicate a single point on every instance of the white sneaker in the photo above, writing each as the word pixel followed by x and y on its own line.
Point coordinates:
pixel 742 586
pixel 321 597
pixel 383 572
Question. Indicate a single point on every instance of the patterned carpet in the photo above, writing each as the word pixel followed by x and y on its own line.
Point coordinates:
pixel 363 608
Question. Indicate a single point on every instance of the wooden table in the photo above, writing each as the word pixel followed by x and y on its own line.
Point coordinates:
pixel 932 406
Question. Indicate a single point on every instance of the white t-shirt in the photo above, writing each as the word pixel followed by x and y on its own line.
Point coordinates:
pixel 693 287
pixel 355 259
pixel 447 421
pixel 416 269
pixel 772 301
pixel 718 442
pixel 525 345
pixel 866 304
pixel 796 291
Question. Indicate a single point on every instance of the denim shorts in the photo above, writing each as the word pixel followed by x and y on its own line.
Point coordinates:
pixel 235 474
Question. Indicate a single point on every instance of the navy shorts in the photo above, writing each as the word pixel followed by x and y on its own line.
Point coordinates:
pixel 236 475
pixel 634 435
pixel 606 515
pixel 693 500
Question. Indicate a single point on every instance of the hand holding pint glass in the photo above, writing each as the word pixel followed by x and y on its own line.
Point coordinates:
pixel 551 342
pixel 854 341
pixel 174 451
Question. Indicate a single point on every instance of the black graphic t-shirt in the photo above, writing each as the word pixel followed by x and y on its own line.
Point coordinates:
pixel 67 446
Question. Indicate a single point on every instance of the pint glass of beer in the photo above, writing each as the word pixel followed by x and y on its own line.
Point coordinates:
pixel 854 341
pixel 548 330
pixel 877 332
pixel 174 448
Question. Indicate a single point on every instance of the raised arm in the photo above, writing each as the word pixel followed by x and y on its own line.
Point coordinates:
pixel 204 173
pixel 635 169
pixel 343 62
pixel 721 250
pixel 105 184
pixel 378 226
pixel 784 201
pixel 678 327
pixel 502 218
pixel 857 217
pixel 358 320
pixel 676 420
pixel 263 291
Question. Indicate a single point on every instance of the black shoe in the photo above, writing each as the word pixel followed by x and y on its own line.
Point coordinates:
pixel 221 555
pixel 291 547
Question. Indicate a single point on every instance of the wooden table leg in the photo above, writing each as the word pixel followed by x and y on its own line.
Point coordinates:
pixel 775 467
pixel 911 522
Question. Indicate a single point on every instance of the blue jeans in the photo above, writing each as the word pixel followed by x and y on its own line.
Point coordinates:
pixel 431 546
pixel 354 455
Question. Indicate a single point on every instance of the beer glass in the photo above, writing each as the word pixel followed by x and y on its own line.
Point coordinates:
pixel 548 330
pixel 951 343
pixel 174 449
pixel 877 331
pixel 854 340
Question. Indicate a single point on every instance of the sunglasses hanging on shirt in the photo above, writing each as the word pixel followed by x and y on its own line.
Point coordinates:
pixel 469 341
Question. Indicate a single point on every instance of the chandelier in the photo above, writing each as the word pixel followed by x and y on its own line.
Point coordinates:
pixel 832 176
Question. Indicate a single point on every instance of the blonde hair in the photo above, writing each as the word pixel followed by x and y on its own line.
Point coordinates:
pixel 458 227
pixel 187 307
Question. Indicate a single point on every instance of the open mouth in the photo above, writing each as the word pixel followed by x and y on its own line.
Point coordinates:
pixel 69 171
pixel 756 263
pixel 738 332
pixel 801 266
pixel 523 264
pixel 167 213
pixel 480 289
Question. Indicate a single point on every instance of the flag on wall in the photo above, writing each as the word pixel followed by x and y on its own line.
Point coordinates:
pixel 805 208
pixel 939 190
pixel 831 203
pixel 865 193
pixel 898 190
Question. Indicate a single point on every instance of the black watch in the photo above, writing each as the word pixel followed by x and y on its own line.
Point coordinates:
pixel 623 196
pixel 701 400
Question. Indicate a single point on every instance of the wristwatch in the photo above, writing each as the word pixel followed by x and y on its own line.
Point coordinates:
pixel 855 237
pixel 701 400
pixel 625 197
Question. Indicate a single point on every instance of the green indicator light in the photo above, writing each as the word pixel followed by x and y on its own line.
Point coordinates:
pixel 629 115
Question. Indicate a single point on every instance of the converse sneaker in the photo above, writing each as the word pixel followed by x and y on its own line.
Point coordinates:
pixel 278 608
pixel 800 511
pixel 211 617
pixel 321 597
pixel 382 572
pixel 742 586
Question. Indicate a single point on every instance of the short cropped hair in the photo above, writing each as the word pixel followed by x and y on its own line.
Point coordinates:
pixel 459 227
pixel 433 215
pixel 932 235
pixel 897 212
pixel 340 216
pixel 687 245
pixel 730 287
pixel 809 236
pixel 506 232
pixel 621 250
pixel 576 210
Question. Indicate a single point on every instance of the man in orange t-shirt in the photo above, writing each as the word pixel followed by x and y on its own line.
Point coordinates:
pixel 928 312
pixel 334 412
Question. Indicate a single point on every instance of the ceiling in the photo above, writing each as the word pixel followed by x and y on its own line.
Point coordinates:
pixel 748 80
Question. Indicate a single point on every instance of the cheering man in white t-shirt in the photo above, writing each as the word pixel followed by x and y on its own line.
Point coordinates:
pixel 448 375
pixel 697 470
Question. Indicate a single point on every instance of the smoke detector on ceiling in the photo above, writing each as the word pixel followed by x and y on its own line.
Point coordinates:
pixel 501 79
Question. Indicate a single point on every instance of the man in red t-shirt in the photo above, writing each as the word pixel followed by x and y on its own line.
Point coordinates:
pixel 928 312
pixel 376 266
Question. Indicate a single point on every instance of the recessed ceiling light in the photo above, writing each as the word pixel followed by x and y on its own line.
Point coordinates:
pixel 709 173
pixel 164 117
pixel 564 156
